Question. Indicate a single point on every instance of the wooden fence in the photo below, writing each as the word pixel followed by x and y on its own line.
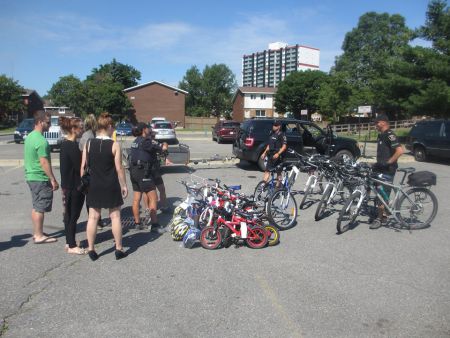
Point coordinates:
pixel 367 127
pixel 199 123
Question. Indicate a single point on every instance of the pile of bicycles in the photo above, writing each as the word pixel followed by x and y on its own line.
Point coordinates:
pixel 218 216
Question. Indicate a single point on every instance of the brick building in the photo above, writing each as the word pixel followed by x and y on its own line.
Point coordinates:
pixel 33 102
pixel 157 99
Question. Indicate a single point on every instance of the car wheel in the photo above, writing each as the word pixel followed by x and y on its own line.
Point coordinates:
pixel 419 154
pixel 261 164
pixel 17 142
pixel 344 155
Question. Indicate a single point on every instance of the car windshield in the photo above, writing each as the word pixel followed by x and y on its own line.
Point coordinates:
pixel 163 126
pixel 231 124
pixel 125 125
pixel 28 123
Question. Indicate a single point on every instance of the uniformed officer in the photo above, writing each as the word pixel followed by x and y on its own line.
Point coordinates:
pixel 389 150
pixel 274 151
pixel 143 158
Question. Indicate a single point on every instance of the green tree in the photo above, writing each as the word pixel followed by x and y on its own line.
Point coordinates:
pixel 300 90
pixel 437 26
pixel 69 91
pixel 126 75
pixel 105 94
pixel 335 96
pixel 210 92
pixel 10 97
pixel 192 82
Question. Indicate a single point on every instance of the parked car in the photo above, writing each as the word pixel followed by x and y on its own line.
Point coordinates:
pixel 54 135
pixel 124 129
pixel 225 131
pixel 157 119
pixel 303 136
pixel 164 131
pixel 429 138
pixel 25 127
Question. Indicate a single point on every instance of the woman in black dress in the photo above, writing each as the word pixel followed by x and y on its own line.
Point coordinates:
pixel 108 184
pixel 70 162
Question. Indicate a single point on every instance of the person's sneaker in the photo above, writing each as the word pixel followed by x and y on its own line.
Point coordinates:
pixel 377 223
pixel 158 228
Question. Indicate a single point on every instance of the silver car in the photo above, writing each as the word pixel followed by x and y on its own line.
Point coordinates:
pixel 164 132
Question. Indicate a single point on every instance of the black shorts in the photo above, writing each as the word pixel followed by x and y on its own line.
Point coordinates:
pixel 139 182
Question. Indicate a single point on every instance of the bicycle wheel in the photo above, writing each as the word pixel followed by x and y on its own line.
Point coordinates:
pixel 206 217
pixel 417 208
pixel 323 204
pixel 308 190
pixel 256 237
pixel 273 235
pixel 282 209
pixel 210 238
pixel 349 212
pixel 260 194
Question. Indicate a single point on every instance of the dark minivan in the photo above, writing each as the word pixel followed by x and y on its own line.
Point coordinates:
pixel 429 139
pixel 303 136
pixel 25 127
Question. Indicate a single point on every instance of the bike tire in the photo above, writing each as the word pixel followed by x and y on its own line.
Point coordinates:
pixel 273 235
pixel 257 237
pixel 323 203
pixel 308 191
pixel 261 191
pixel 347 215
pixel 420 196
pixel 282 209
pixel 210 238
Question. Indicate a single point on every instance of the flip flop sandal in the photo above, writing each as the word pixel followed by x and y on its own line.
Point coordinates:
pixel 46 240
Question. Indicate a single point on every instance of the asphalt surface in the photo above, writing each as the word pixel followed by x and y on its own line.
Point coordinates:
pixel 315 283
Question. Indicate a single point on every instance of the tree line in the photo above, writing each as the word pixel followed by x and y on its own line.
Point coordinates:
pixel 378 67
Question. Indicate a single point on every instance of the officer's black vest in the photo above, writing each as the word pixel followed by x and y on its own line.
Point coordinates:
pixel 137 153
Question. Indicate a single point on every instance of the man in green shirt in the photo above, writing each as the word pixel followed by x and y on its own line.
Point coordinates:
pixel 39 175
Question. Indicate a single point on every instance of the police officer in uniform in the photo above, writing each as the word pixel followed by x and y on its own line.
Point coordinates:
pixel 143 158
pixel 389 150
pixel 275 150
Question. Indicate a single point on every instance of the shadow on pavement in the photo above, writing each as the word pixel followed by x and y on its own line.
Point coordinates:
pixel 16 241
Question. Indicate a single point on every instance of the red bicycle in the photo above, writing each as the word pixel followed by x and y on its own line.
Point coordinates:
pixel 233 231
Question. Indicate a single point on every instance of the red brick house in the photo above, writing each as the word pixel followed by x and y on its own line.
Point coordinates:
pixel 157 99
pixel 32 102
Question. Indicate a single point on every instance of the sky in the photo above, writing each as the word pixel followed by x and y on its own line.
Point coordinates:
pixel 44 40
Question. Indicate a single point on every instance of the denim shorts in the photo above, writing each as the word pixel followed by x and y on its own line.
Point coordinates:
pixel 41 195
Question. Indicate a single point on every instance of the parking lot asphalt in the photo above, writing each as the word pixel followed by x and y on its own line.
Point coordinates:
pixel 315 283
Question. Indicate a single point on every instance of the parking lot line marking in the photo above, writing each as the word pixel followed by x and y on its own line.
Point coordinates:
pixel 12 169
pixel 270 293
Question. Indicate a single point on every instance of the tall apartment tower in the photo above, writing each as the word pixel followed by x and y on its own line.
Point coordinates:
pixel 271 66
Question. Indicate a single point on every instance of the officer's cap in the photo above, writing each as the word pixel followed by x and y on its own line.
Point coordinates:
pixel 277 123
pixel 381 117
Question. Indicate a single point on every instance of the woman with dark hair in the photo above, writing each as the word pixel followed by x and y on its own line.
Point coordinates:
pixel 108 184
pixel 70 162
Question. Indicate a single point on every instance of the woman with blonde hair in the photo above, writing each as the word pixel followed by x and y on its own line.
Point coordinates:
pixel 108 184
pixel 70 162
pixel 90 127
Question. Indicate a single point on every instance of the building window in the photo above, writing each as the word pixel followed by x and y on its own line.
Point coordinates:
pixel 260 113
pixel 253 96
pixel 263 96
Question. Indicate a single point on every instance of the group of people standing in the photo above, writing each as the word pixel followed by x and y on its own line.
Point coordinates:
pixel 97 153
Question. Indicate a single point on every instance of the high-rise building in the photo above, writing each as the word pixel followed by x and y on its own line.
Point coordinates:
pixel 271 66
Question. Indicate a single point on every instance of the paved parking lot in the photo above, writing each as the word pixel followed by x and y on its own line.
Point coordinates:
pixel 364 283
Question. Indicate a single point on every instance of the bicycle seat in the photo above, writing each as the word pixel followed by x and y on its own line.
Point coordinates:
pixel 407 170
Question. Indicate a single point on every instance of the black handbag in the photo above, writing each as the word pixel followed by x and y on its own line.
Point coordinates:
pixel 85 180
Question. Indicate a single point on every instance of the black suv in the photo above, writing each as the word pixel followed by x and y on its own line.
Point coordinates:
pixel 429 138
pixel 303 136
